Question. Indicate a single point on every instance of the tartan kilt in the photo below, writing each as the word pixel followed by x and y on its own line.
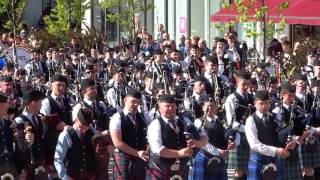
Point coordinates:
pixel 123 160
pixel 199 170
pixel 238 158
pixel 156 172
pixel 290 168
pixel 256 163
pixel 309 159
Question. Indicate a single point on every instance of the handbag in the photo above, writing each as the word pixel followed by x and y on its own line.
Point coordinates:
pixel 311 144
pixel 137 169
pixel 215 165
pixel 269 172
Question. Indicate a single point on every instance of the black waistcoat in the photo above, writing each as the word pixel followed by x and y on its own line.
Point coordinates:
pixel 134 135
pixel 171 140
pixel 38 143
pixel 81 155
pixel 266 130
pixel 63 114
pixel 241 111
pixel 215 132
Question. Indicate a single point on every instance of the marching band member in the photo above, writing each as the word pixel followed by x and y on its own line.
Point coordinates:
pixel 288 118
pixel 116 92
pixel 212 77
pixel 199 93
pixel 262 137
pixel 74 157
pixel 7 88
pixel 303 98
pixel 169 147
pixel 128 133
pixel 98 108
pixel 35 162
pixel 309 150
pixel 205 167
pixel 239 104
pixel 12 150
pixel 57 108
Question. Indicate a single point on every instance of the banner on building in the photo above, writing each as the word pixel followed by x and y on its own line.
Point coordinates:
pixel 183 25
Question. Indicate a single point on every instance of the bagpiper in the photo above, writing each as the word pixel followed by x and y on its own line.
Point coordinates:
pixel 170 148
pixel 260 129
pixel 128 133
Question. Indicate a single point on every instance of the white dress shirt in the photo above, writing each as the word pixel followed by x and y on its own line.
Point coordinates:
pixel 64 143
pixel 115 121
pixel 154 135
pixel 19 120
pixel 252 137
pixel 46 108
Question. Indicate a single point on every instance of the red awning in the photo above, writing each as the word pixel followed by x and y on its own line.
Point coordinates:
pixel 231 14
pixel 302 12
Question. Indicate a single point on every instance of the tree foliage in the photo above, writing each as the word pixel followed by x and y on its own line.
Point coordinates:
pixel 260 10
pixel 11 12
pixel 124 11
pixel 67 17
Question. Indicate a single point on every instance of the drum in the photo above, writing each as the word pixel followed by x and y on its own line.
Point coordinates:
pixel 23 56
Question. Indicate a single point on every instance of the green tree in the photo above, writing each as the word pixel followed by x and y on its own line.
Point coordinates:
pixel 260 10
pixel 67 17
pixel 11 12
pixel 123 12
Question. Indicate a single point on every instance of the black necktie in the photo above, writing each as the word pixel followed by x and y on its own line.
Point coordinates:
pixel 60 101
pixel 245 97
pixel 34 121
pixel 173 126
pixel 132 117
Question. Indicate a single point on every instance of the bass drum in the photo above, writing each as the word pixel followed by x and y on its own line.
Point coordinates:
pixel 2 62
pixel 23 56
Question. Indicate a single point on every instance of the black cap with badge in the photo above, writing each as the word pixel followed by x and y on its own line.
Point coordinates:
pixel 131 92
pixel 262 95
pixel 167 99
pixel 87 83
pixel 33 96
pixel 288 87
pixel 58 78
pixel 244 75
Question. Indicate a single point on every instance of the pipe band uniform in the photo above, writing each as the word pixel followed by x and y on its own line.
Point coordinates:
pixel 128 133
pixel 12 145
pixel 74 153
pixel 169 146
pixel 263 140
pixel 35 130
pixel 238 107
pixel 288 120
pixel 169 109
pixel 209 162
